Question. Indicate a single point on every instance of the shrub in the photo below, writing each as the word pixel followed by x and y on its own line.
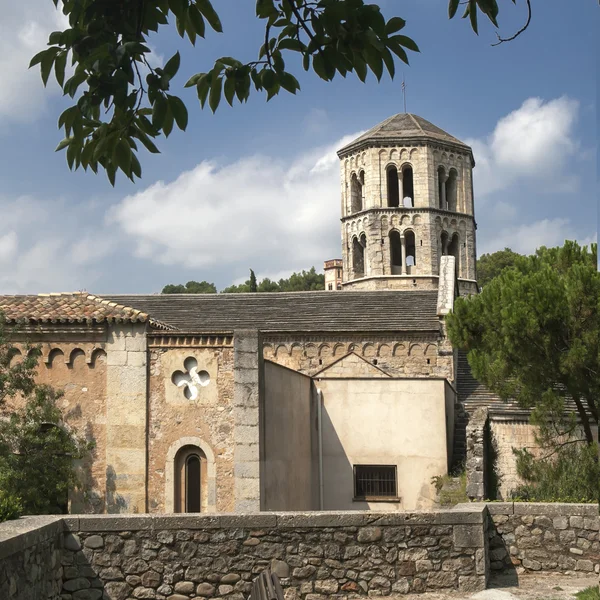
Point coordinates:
pixel 10 507
pixel 451 490
pixel 567 473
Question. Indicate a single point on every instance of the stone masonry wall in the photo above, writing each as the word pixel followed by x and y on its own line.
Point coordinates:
pixel 315 554
pixel 544 537
pixel 30 559
pixel 475 463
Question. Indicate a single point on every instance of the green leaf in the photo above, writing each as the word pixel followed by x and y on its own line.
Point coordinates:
pixel 289 82
pixel 136 168
pixel 179 111
pixel 63 144
pixel 168 122
pixel 406 42
pixel 179 8
pixel 197 20
pixel 394 24
pixel 147 142
pixel 206 8
pixel 159 110
pixel 46 64
pixel 122 156
pixel 229 90
pixel 452 8
pixel 172 65
pixel 37 58
pixel 59 68
pixel 215 93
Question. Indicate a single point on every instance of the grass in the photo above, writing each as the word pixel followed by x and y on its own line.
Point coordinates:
pixel 451 490
pixel 591 593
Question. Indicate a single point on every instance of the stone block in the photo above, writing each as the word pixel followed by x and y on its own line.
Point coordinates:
pixel 471 583
pixel 246 434
pixel 501 508
pixel 247 470
pixel 468 536
pixel 136 343
pixel 136 359
pixel 116 358
pixel 246 453
pixel 115 523
pixel 293 520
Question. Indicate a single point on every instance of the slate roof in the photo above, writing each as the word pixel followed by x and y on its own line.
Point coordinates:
pixel 403 127
pixel 77 307
pixel 292 312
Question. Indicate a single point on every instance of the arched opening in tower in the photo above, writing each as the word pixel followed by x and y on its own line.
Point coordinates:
pixel 393 187
pixel 451 190
pixel 395 253
pixel 408 199
pixel 442 187
pixel 411 250
pixel 356 193
pixel 358 257
pixel 454 250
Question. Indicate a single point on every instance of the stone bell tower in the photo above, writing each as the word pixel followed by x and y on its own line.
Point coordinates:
pixel 407 200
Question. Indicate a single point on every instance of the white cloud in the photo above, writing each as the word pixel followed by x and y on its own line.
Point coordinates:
pixel 48 246
pixel 24 30
pixel 532 142
pixel 255 211
pixel 525 239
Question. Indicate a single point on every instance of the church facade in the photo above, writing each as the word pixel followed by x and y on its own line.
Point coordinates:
pixel 287 401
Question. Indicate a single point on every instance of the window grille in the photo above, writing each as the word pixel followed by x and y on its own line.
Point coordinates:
pixel 374 481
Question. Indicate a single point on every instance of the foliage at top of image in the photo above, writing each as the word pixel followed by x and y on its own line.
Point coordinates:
pixel 124 103
pixel 533 334
pixel 297 282
pixel 37 450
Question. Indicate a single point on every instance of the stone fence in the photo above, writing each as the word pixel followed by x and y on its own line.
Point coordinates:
pixel 176 557
pixel 544 537
pixel 316 555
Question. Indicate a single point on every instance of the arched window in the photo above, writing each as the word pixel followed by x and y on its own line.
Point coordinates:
pixel 454 250
pixel 190 472
pixel 393 188
pixel 451 190
pixel 411 250
pixel 444 243
pixel 358 257
pixel 356 194
pixel 395 253
pixel 408 192
pixel 441 187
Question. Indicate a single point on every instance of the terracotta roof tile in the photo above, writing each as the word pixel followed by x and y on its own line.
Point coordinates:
pixel 76 307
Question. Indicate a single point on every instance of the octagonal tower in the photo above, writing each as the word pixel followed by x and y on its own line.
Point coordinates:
pixel 407 199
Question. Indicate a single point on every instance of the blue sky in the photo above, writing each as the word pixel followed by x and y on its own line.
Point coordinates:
pixel 258 185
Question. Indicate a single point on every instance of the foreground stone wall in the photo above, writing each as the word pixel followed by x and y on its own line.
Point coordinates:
pixel 544 537
pixel 30 559
pixel 184 556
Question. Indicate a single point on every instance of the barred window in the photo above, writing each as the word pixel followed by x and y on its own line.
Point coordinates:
pixel 375 481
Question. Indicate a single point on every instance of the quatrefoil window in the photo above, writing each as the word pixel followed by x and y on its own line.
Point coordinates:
pixel 191 379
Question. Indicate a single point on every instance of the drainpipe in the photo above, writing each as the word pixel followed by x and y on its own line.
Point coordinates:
pixel 320 434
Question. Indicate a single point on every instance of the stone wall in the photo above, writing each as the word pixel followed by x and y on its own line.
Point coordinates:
pixel 476 460
pixel 544 537
pixel 315 554
pixel 30 559
pixel 198 412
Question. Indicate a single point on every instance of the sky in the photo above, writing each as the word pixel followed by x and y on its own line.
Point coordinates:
pixel 257 185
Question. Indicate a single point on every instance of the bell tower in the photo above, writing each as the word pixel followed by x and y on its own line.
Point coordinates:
pixel 407 200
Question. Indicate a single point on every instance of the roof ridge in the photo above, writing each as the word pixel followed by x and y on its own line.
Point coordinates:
pixel 412 117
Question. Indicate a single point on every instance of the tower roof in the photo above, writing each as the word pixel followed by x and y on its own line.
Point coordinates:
pixel 403 127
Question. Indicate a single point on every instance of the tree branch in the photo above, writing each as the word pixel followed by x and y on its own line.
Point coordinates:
pixel 516 35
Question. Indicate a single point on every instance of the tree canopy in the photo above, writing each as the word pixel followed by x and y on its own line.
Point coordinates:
pixel 491 265
pixel 533 334
pixel 297 282
pixel 37 449
pixel 191 287
pixel 123 102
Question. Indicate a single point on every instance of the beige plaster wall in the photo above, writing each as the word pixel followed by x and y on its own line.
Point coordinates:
pixel 398 422
pixel 207 421
pixel 289 463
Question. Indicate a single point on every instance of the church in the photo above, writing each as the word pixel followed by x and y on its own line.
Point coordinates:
pixel 345 399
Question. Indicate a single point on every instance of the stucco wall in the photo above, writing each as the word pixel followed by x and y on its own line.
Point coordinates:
pixel 398 422
pixel 176 420
pixel 289 441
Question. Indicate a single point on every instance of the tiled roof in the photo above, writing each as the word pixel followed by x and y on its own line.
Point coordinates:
pixel 77 307
pixel 345 311
pixel 401 127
